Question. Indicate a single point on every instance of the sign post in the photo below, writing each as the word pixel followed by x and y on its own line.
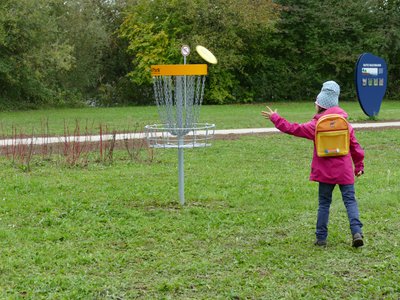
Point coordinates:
pixel 371 83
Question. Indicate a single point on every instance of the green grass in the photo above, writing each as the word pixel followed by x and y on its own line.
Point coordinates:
pixel 129 118
pixel 118 232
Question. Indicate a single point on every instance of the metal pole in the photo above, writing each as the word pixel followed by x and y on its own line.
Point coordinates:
pixel 181 171
pixel 181 175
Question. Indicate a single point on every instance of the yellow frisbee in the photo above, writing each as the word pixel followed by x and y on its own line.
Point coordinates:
pixel 206 54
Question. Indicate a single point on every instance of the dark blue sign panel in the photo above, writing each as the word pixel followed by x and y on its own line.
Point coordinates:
pixel 371 83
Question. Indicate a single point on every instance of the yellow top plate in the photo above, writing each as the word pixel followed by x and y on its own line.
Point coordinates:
pixel 206 54
pixel 178 70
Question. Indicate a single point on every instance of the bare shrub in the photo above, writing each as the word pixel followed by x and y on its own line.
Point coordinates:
pixel 76 147
pixel 138 150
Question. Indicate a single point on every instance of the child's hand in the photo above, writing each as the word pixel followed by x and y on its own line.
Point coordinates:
pixel 359 173
pixel 267 114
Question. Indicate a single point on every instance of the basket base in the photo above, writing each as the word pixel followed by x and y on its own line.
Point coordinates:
pixel 164 136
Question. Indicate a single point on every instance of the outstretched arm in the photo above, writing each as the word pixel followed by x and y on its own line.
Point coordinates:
pixel 305 130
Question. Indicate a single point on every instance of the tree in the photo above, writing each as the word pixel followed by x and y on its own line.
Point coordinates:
pixel 64 52
pixel 320 40
pixel 156 30
pixel 388 17
pixel 57 52
pixel 30 53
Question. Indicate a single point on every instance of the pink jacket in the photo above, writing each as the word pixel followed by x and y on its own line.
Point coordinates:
pixel 333 170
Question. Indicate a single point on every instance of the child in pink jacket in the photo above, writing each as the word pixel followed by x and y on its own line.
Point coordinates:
pixel 329 171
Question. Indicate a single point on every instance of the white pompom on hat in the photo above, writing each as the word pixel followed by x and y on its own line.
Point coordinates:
pixel 329 95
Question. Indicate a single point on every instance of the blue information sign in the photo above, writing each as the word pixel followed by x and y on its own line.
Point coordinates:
pixel 371 82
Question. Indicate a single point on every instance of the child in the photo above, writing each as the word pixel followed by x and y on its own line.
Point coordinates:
pixel 329 171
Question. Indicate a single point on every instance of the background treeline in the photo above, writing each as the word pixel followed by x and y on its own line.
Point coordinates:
pixel 98 52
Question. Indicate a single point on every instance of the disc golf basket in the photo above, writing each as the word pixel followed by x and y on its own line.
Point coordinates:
pixel 178 91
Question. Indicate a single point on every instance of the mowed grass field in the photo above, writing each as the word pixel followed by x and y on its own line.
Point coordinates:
pixel 117 230
pixel 58 122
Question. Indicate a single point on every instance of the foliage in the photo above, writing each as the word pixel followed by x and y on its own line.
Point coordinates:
pixel 101 59
pixel 317 41
pixel 263 55
pixel 30 53
pixel 156 30
pixel 98 52
pixel 389 41
pixel 55 52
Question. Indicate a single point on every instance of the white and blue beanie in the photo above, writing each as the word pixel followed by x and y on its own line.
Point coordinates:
pixel 329 95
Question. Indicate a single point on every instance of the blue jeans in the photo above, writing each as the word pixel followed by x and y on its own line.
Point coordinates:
pixel 325 199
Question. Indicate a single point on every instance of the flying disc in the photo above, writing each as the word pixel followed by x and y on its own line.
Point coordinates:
pixel 206 54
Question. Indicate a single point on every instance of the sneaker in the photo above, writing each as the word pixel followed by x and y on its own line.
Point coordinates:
pixel 320 243
pixel 357 240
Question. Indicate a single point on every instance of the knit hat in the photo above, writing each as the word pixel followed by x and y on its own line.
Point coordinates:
pixel 329 95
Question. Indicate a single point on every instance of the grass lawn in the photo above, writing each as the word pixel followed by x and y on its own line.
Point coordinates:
pixel 54 121
pixel 117 231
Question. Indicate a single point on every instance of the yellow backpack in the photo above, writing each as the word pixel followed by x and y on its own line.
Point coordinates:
pixel 332 136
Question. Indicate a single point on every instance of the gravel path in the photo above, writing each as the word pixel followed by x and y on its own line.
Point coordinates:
pixel 221 133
